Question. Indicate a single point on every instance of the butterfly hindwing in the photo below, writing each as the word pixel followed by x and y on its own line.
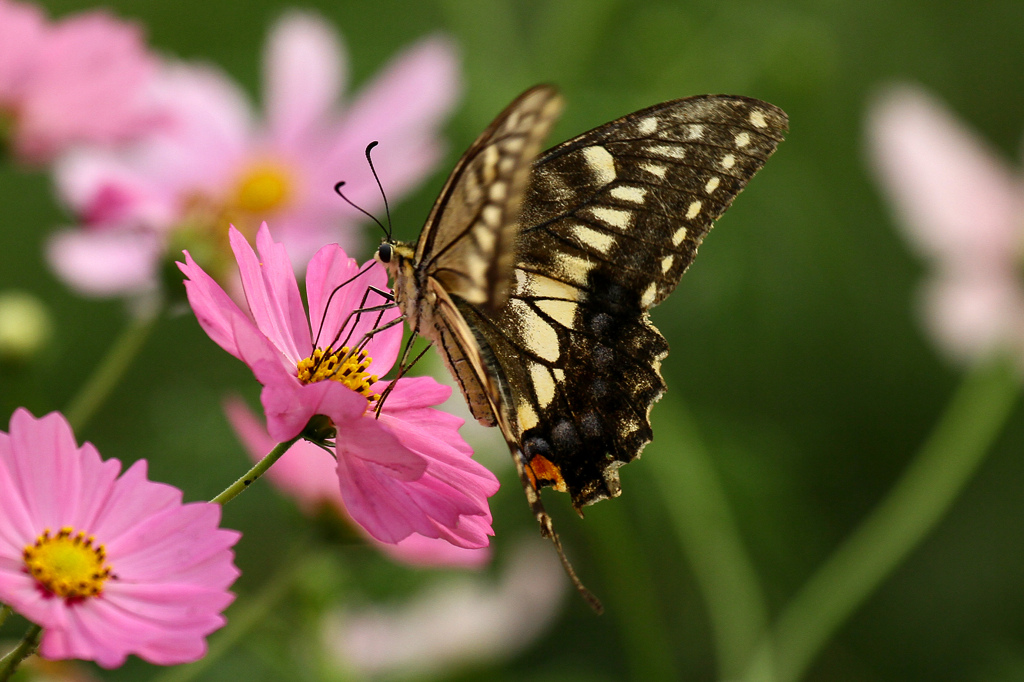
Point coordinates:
pixel 610 222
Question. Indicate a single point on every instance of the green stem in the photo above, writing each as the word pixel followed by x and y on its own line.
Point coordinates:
pixel 110 370
pixel 243 619
pixel 707 530
pixel 930 484
pixel 250 476
pixel 25 648
pixel 632 598
pixel 5 612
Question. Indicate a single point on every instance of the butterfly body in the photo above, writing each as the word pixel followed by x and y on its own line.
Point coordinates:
pixel 535 271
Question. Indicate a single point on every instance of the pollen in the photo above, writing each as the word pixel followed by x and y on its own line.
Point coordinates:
pixel 69 564
pixel 264 187
pixel 345 365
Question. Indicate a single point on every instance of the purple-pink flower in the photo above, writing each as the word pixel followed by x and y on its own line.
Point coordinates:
pixel 84 79
pixel 308 474
pixel 219 163
pixel 107 565
pixel 401 472
pixel 962 207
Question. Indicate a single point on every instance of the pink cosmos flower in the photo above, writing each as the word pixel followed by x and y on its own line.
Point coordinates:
pixel 962 207
pixel 107 565
pixel 402 473
pixel 82 79
pixel 220 164
pixel 307 473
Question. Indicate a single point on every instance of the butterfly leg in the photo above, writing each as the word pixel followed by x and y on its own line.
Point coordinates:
pixel 547 527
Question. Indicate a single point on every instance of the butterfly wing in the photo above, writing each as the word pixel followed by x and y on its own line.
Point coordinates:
pixel 610 221
pixel 467 245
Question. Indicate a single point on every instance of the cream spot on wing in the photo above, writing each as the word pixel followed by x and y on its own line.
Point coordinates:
pixel 654 169
pixel 497 191
pixel 666 264
pixel 526 416
pixel 601 241
pixel 491 214
pixel 758 119
pixel 562 312
pixel 712 185
pixel 476 267
pixel 743 139
pixel 694 132
pixel 513 144
pixel 543 384
pixel 559 374
pixel 728 161
pixel 489 163
pixel 485 237
pixel 536 335
pixel 670 150
pixel 532 284
pixel 505 165
pixel 693 210
pixel 649 293
pixel 616 217
pixel 572 268
pixel 679 236
pixel 648 125
pixel 629 193
pixel 601 163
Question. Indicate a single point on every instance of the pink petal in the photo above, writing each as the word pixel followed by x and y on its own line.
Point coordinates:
pixel 309 475
pixel 217 314
pixel 106 262
pixel 975 313
pixel 957 198
pixel 329 269
pixel 304 68
pixel 21 38
pixel 272 293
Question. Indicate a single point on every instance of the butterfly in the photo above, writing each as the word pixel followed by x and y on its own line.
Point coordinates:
pixel 534 273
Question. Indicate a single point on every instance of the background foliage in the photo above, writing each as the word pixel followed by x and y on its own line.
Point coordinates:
pixel 797 359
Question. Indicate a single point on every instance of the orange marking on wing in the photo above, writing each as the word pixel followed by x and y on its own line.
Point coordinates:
pixel 543 471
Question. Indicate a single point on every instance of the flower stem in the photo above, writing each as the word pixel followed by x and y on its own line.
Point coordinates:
pixel 26 647
pixel 113 366
pixel 930 484
pixel 250 476
pixel 708 533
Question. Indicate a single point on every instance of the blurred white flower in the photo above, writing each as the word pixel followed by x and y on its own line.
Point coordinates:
pixel 962 207
pixel 467 620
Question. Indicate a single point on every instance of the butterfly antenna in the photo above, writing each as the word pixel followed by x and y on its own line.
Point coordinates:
pixel 337 190
pixel 369 160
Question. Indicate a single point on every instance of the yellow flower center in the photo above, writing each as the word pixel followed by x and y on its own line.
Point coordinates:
pixel 344 365
pixel 263 188
pixel 68 564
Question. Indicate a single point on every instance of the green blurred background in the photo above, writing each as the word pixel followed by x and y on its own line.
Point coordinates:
pixel 798 360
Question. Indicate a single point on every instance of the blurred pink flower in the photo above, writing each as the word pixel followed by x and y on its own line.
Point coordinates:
pixel 405 471
pixel 461 622
pixel 308 474
pixel 84 79
pixel 107 566
pixel 962 207
pixel 220 164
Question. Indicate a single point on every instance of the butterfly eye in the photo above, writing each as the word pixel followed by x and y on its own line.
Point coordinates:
pixel 384 252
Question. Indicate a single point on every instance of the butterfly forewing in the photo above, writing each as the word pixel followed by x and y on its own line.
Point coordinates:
pixel 610 221
pixel 468 243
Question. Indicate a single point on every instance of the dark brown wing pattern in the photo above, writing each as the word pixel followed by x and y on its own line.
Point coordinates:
pixel 610 221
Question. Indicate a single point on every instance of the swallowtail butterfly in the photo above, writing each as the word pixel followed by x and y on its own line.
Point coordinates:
pixel 534 273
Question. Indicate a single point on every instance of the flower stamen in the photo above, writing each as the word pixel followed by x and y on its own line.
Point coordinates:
pixel 69 565
pixel 344 365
